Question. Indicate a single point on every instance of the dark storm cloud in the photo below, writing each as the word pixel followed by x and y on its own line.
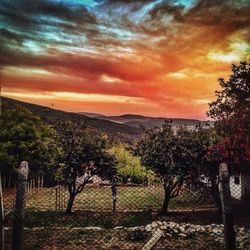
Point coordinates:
pixel 176 25
pixel 32 18
pixel 219 13
pixel 24 12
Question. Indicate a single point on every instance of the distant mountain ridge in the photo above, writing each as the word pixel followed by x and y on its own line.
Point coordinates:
pixel 124 128
pixel 149 122
pixel 119 132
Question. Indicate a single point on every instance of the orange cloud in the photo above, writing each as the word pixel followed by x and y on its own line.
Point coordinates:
pixel 154 58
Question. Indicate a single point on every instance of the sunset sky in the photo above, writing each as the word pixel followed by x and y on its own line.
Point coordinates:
pixel 157 58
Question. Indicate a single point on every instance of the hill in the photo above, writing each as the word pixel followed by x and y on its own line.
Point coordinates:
pixel 149 122
pixel 119 132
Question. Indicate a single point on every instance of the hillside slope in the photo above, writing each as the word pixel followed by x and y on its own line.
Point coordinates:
pixel 119 132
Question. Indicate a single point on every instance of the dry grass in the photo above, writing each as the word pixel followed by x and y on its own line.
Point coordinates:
pixel 99 199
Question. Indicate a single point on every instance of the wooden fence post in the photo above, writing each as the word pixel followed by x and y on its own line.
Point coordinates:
pixel 226 202
pixel 1 216
pixel 114 191
pixel 18 220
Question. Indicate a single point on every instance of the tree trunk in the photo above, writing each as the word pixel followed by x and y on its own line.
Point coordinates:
pixel 70 203
pixel 166 200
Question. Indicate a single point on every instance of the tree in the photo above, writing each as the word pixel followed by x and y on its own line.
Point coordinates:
pixel 231 112
pixel 129 166
pixel 174 157
pixel 83 158
pixel 23 136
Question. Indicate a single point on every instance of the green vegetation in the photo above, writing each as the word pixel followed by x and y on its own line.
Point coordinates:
pixel 129 166
pixel 129 198
pixel 83 158
pixel 23 136
pixel 174 156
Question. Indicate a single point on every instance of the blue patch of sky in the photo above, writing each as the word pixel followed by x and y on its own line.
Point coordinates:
pixel 86 3
pixel 78 49
pixel 187 4
pixel 141 14
pixel 3 23
pixel 120 33
pixel 50 19
pixel 33 47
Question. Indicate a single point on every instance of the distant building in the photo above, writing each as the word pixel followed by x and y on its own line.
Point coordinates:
pixel 240 185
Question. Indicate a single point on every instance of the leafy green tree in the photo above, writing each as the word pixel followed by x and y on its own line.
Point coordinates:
pixel 129 166
pixel 174 157
pixel 231 112
pixel 84 157
pixel 23 136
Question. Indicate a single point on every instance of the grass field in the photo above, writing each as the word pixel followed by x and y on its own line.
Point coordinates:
pixel 46 228
pixel 129 198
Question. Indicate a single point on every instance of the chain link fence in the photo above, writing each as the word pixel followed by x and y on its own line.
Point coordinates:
pixel 193 220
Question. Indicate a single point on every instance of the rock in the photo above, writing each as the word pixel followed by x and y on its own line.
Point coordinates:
pixel 163 227
pixel 93 228
pixel 216 231
pixel 118 227
pixel 182 235
pixel 148 228
pixel 154 224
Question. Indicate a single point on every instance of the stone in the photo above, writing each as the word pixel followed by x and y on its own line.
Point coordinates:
pixel 182 235
pixel 182 229
pixel 148 228
pixel 154 224
pixel 93 228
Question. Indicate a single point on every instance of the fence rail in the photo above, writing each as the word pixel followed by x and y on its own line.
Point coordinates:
pixel 46 226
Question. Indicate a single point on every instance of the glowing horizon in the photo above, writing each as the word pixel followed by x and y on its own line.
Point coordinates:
pixel 154 58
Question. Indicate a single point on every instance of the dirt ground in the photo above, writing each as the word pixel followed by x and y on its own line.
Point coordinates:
pixel 110 239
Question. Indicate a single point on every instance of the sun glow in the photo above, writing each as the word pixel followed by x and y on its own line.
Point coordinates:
pixel 238 51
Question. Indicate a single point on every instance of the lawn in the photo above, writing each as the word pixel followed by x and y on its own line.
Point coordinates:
pixel 129 198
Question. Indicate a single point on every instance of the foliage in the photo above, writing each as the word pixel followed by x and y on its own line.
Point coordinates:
pixel 129 166
pixel 233 99
pixel 175 157
pixel 83 158
pixel 231 112
pixel 23 136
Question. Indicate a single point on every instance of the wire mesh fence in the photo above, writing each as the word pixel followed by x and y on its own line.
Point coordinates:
pixel 193 219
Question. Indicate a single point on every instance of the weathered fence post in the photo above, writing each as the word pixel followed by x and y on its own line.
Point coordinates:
pixel 114 191
pixel 226 202
pixel 1 215
pixel 18 220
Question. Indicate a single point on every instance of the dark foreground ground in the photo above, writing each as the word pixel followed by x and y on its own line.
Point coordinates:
pixel 105 230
